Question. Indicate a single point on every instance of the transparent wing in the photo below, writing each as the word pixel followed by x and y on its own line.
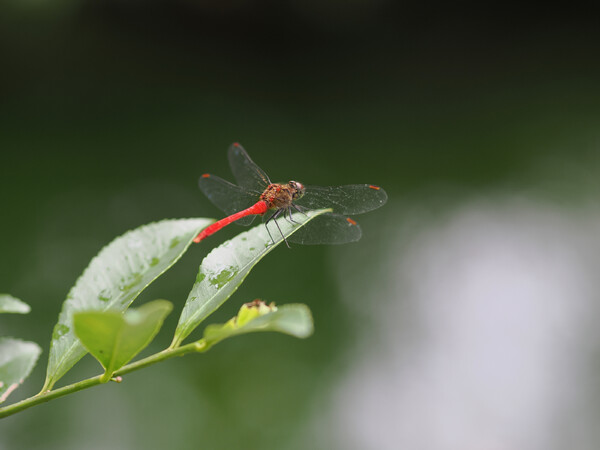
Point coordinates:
pixel 349 199
pixel 228 197
pixel 247 174
pixel 327 229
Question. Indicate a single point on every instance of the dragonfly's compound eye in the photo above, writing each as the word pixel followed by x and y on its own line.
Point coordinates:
pixel 298 189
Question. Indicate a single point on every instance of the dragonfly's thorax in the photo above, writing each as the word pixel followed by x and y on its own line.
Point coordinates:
pixel 282 195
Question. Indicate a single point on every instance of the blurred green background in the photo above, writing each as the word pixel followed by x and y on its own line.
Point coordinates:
pixel 483 125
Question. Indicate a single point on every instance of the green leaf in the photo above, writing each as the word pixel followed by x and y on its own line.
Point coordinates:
pixel 114 278
pixel 10 304
pixel 294 319
pixel 17 359
pixel 225 268
pixel 114 337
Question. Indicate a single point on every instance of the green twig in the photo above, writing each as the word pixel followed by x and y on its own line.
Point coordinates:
pixel 42 397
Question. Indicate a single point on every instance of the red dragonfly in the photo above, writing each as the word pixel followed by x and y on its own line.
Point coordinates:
pixel 255 195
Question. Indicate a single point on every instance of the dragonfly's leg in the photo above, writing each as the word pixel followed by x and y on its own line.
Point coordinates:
pixel 289 210
pixel 273 216
pixel 288 216
pixel 280 232
pixel 299 208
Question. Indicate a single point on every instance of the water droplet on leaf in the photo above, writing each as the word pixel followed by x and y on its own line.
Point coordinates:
pixel 60 330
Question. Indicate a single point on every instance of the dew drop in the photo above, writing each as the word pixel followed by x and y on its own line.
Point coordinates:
pixel 223 278
pixel 104 295
pixel 60 330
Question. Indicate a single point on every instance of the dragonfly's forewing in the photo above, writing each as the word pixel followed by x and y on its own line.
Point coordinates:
pixel 228 197
pixel 327 229
pixel 349 199
pixel 247 174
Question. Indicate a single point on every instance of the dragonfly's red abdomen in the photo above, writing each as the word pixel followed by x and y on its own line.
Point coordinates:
pixel 256 209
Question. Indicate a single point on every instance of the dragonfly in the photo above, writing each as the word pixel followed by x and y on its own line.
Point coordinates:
pixel 255 195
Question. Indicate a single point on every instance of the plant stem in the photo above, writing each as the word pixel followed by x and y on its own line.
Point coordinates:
pixel 195 347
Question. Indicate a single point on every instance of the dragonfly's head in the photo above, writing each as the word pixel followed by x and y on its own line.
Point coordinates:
pixel 297 189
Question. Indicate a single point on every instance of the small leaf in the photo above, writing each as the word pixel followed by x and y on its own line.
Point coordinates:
pixel 10 304
pixel 17 359
pixel 114 278
pixel 114 337
pixel 224 269
pixel 294 319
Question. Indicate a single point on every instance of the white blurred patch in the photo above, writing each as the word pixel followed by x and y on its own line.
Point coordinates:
pixel 482 333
